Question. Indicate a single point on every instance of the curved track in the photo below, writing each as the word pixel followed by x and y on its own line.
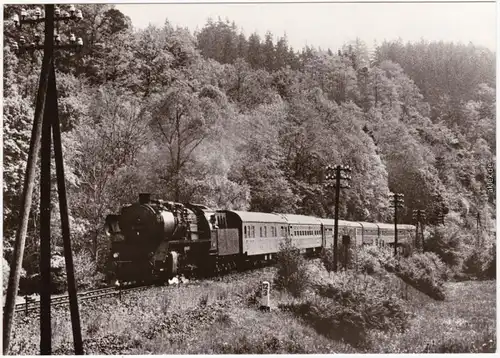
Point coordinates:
pixel 33 305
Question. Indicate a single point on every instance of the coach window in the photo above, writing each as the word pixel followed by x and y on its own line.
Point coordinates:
pixel 260 229
pixel 265 231
pixel 245 229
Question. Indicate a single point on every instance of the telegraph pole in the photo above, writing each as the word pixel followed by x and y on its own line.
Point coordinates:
pixel 335 175
pixel 398 201
pixel 419 217
pixel 46 121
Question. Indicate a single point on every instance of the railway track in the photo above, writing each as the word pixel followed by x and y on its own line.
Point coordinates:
pixel 33 305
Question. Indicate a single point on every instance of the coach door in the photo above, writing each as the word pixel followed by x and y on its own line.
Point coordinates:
pixel 323 236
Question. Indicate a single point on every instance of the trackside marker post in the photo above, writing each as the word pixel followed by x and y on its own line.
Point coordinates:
pixel 265 301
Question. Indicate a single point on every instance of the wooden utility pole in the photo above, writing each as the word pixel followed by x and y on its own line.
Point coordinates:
pixel 46 121
pixel 336 174
pixel 398 200
pixel 29 183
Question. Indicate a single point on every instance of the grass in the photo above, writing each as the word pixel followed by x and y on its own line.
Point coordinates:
pixel 462 323
pixel 219 317
pixel 245 330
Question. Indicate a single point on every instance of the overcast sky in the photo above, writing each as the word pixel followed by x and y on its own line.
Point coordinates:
pixel 332 24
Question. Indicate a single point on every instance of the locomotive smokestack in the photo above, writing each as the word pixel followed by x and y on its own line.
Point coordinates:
pixel 144 198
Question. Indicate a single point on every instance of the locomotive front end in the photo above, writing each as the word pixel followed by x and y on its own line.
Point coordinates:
pixel 151 239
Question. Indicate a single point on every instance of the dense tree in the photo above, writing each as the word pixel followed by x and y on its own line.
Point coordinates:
pixel 99 151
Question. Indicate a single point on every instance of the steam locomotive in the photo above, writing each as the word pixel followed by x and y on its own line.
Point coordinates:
pixel 157 239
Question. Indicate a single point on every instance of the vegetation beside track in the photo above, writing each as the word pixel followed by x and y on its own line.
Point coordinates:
pixel 217 317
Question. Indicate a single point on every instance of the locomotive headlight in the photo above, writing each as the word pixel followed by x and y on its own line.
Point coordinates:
pixel 116 255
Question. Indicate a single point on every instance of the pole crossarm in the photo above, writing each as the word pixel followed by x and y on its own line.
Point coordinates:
pixel 36 16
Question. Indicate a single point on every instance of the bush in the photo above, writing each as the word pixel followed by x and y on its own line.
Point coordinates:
pixel 327 259
pixel 372 258
pixel 480 264
pixel 474 266
pixel 292 270
pixel 491 268
pixel 349 307
pixel 368 263
pixel 447 246
pixel 86 274
pixel 426 272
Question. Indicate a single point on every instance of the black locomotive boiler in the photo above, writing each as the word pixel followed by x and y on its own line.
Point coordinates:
pixel 157 239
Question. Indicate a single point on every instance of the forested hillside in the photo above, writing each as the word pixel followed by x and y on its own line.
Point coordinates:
pixel 239 122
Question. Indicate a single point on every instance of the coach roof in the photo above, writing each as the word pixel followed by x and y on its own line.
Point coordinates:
pixel 344 223
pixel 249 216
pixel 294 219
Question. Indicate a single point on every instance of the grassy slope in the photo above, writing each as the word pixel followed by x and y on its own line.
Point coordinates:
pixel 462 323
pixel 219 317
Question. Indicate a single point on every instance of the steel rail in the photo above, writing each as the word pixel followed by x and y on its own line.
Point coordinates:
pixel 88 295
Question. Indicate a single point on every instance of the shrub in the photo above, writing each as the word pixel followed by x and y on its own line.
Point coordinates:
pixel 425 272
pixel 447 246
pixel 292 270
pixel 474 266
pixel 86 274
pixel 480 264
pixel 327 259
pixel 349 307
pixel 372 258
pixel 491 268
pixel 368 263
